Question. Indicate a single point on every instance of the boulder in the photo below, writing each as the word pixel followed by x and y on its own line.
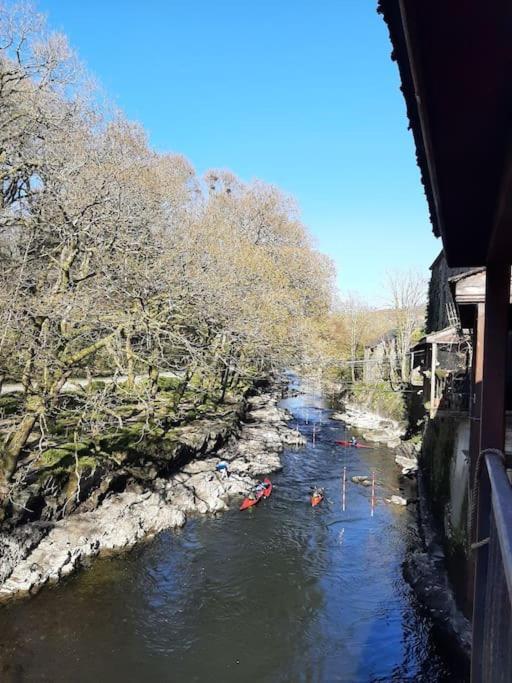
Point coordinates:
pixel 362 480
pixel 397 500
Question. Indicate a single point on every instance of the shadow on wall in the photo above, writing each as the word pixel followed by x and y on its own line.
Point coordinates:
pixel 445 468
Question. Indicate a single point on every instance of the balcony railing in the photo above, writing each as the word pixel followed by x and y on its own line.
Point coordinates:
pixel 492 618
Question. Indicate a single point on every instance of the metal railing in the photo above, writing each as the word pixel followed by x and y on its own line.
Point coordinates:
pixel 492 615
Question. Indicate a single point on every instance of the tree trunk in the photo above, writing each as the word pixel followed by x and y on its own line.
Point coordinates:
pixel 224 383
pixel 11 453
pixel 153 375
pixel 180 392
pixel 130 361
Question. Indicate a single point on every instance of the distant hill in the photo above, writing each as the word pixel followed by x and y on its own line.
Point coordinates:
pixel 382 323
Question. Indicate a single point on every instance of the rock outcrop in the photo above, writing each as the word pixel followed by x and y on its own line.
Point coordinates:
pixel 35 554
pixel 373 427
pixel 406 457
pixel 397 500
pixel 362 480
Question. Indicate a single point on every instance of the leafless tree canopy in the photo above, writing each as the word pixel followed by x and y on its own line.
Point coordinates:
pixel 121 261
pixel 407 294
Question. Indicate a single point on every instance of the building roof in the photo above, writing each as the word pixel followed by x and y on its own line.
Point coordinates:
pixel 386 337
pixel 450 335
pixel 437 260
pixel 455 67
pixel 469 288
pixel 468 273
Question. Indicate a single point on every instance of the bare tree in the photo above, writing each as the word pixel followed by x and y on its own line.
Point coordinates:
pixel 356 315
pixel 407 294
pixel 117 259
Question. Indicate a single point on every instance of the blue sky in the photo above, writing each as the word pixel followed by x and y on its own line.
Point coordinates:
pixel 298 93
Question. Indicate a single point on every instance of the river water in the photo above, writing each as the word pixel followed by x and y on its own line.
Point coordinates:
pixel 281 593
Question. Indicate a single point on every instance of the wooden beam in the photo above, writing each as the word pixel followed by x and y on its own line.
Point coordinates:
pixel 497 297
pixel 433 365
pixel 500 243
pixel 492 433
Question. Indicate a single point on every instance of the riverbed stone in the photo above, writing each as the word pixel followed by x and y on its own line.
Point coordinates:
pixel 409 466
pixel 362 480
pixel 292 437
pixel 397 500
pixel 375 428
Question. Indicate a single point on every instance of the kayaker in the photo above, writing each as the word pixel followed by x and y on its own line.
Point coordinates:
pixel 222 468
pixel 260 486
pixel 353 441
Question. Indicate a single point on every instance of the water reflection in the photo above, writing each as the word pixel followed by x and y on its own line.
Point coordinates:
pixel 282 593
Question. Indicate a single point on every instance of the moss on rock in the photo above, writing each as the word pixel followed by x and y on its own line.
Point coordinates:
pixel 436 457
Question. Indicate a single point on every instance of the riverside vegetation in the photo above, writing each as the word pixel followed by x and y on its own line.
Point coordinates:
pixel 141 305
pixel 120 261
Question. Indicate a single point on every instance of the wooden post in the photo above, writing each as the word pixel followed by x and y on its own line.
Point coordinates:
pixel 497 300
pixel 492 434
pixel 433 380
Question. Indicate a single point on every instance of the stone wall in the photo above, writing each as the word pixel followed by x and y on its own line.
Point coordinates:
pixel 444 463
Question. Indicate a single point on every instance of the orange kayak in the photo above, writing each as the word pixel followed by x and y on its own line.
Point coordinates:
pixel 316 500
pixel 263 493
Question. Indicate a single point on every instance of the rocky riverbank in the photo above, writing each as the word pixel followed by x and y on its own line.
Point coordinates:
pixel 425 567
pixel 377 429
pixel 38 553
pixel 371 426
pixel 425 571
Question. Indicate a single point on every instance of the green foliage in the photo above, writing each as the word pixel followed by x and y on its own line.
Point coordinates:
pixel 140 265
pixel 9 405
pixel 380 398
pixel 53 456
pixel 63 459
pixel 417 335
pixel 169 384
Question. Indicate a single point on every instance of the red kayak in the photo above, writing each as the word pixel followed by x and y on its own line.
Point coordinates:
pixel 263 493
pixel 349 443
pixel 316 499
pixel 268 487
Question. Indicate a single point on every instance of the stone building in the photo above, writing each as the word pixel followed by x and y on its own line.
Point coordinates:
pixel 380 359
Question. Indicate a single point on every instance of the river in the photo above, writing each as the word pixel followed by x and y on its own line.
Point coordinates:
pixel 281 593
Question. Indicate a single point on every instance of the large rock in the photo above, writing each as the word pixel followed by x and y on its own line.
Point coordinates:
pixel 292 437
pixel 406 457
pixel 375 428
pixel 362 480
pixel 408 466
pixel 397 500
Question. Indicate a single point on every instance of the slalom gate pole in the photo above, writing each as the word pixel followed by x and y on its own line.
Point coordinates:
pixel 373 493
pixel 344 496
